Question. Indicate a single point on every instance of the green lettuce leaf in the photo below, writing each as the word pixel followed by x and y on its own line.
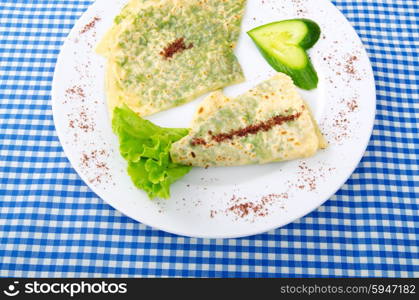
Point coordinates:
pixel 146 148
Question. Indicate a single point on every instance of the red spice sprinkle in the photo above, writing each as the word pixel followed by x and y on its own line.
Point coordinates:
pixel 349 67
pixel 352 105
pixel 241 210
pixel 94 160
pixel 254 129
pixel 251 129
pixel 198 141
pixel 76 91
pixel 307 179
pixel 90 25
pixel 249 210
pixel 175 47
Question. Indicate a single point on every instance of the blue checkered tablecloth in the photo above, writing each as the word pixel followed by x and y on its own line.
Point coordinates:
pixel 52 225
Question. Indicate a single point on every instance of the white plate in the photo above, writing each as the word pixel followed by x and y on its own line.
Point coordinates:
pixel 203 202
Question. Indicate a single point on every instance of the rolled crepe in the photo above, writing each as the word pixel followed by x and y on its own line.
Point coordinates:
pixel 269 123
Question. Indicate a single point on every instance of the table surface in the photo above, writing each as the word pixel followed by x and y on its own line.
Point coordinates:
pixel 53 225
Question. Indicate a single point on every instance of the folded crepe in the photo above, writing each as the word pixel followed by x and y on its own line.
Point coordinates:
pixel 165 53
pixel 269 123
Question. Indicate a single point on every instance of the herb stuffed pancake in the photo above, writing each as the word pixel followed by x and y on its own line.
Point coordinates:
pixel 269 123
pixel 162 54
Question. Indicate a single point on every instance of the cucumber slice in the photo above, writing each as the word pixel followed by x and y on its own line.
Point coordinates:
pixel 283 44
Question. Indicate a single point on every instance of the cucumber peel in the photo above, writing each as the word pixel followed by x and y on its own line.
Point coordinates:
pixel 284 45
